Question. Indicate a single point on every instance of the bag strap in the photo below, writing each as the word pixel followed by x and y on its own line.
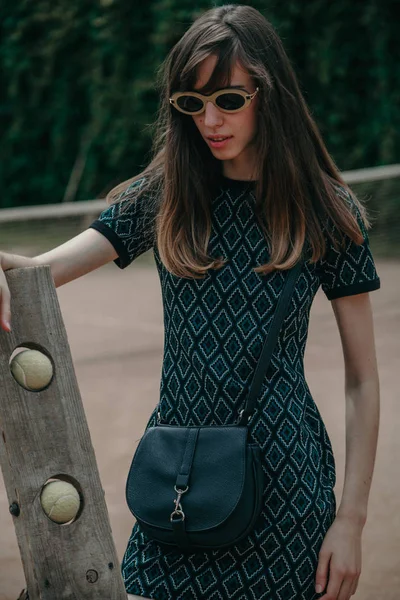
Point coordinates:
pixel 270 343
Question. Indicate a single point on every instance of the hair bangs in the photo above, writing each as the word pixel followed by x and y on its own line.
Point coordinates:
pixel 221 75
pixel 222 72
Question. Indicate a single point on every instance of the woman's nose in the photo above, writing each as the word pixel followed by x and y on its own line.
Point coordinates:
pixel 212 115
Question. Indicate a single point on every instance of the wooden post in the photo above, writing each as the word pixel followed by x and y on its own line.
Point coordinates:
pixel 45 435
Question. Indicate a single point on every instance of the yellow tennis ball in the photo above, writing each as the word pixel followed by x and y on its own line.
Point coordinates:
pixel 32 369
pixel 60 501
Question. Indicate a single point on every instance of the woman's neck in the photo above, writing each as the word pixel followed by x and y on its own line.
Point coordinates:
pixel 242 167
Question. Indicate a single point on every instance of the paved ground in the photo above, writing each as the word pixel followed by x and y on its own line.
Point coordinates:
pixel 115 326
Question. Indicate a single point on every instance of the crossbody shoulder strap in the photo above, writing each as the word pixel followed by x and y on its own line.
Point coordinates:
pixel 270 342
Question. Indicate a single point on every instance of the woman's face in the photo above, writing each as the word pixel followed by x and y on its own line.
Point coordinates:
pixel 238 151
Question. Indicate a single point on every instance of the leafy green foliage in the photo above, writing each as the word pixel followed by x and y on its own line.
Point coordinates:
pixel 77 85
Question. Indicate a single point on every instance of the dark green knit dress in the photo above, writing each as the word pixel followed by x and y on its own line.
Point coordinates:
pixel 214 331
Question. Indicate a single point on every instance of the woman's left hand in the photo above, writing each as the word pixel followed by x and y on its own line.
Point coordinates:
pixel 339 563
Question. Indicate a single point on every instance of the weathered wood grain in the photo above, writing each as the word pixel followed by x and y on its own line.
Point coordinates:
pixel 43 435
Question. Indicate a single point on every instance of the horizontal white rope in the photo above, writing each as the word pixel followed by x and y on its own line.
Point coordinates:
pixel 94 207
pixel 52 211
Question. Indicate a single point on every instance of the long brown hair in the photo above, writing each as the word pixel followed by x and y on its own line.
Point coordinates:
pixel 297 180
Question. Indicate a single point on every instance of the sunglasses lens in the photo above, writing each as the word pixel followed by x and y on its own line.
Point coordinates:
pixel 190 103
pixel 230 101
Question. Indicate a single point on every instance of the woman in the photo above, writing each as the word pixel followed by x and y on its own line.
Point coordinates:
pixel 241 188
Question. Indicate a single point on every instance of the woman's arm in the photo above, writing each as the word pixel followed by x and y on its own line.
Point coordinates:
pixel 84 253
pixel 354 319
pixel 340 554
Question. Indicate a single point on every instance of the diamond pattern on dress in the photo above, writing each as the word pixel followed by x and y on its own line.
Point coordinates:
pixel 214 332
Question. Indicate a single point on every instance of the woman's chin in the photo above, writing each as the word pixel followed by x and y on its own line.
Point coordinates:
pixel 224 153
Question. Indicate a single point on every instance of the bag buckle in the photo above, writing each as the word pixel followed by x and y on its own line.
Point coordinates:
pixel 241 413
pixel 178 506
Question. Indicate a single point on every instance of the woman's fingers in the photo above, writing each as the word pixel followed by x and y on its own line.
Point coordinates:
pixel 5 312
pixel 341 585
pixel 345 590
pixel 321 577
pixel 355 585
pixel 335 581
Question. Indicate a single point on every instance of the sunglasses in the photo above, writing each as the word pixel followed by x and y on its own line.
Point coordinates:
pixel 227 100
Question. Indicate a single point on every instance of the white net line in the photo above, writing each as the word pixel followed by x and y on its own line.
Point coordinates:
pixel 33 229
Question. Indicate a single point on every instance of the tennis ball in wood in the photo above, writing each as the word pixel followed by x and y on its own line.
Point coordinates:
pixel 32 369
pixel 60 501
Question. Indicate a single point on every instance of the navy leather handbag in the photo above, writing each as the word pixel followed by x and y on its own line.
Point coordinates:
pixel 197 488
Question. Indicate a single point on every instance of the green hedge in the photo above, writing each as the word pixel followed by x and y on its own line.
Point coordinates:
pixel 77 83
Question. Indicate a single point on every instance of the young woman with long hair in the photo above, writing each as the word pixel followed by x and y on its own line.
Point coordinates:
pixel 240 188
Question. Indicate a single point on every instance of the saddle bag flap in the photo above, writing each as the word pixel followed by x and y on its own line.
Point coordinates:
pixel 216 478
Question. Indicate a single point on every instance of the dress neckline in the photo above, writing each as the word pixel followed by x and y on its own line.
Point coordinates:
pixel 237 183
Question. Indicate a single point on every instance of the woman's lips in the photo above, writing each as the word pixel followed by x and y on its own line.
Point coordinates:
pixel 219 143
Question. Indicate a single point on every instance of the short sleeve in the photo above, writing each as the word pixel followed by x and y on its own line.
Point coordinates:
pixel 129 224
pixel 349 270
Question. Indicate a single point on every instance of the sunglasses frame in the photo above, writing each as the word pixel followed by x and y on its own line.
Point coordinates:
pixel 212 98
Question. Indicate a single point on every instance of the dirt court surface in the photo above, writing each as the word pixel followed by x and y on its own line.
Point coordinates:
pixel 114 321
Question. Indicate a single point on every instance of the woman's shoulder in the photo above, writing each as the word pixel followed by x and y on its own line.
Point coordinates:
pixel 348 208
pixel 128 190
pixel 137 195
